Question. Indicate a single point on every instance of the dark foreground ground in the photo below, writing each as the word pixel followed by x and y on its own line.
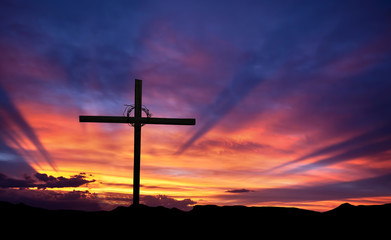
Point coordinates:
pixel 206 222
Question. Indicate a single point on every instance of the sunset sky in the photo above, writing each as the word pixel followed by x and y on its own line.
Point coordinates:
pixel 292 101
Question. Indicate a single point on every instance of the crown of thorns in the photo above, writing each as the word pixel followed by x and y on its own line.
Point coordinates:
pixel 129 108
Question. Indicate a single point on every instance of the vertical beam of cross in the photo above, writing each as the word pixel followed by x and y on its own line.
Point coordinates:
pixel 137 141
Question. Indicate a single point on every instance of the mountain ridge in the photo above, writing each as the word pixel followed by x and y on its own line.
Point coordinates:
pixel 220 220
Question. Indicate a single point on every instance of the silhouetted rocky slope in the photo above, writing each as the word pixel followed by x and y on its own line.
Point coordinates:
pixel 219 221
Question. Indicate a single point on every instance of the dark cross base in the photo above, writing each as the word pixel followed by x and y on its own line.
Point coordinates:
pixel 137 121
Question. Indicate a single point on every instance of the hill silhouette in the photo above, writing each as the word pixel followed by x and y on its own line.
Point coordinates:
pixel 213 220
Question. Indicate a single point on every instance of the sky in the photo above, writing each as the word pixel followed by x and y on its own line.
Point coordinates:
pixel 291 98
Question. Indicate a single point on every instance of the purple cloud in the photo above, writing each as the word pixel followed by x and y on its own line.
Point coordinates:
pixel 168 202
pixel 243 190
pixel 54 200
pixel 43 181
pixel 61 182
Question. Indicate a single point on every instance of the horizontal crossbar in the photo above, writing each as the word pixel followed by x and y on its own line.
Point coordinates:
pixel 169 121
pixel 120 119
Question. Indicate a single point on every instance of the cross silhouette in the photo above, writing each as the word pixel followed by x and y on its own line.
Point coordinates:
pixel 137 122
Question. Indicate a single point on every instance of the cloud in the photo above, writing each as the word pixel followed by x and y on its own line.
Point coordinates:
pixel 243 190
pixel 54 200
pixel 61 182
pixel 6 182
pixel 20 190
pixel 168 202
pixel 43 181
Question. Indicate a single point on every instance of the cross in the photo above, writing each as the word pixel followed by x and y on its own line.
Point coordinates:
pixel 137 122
